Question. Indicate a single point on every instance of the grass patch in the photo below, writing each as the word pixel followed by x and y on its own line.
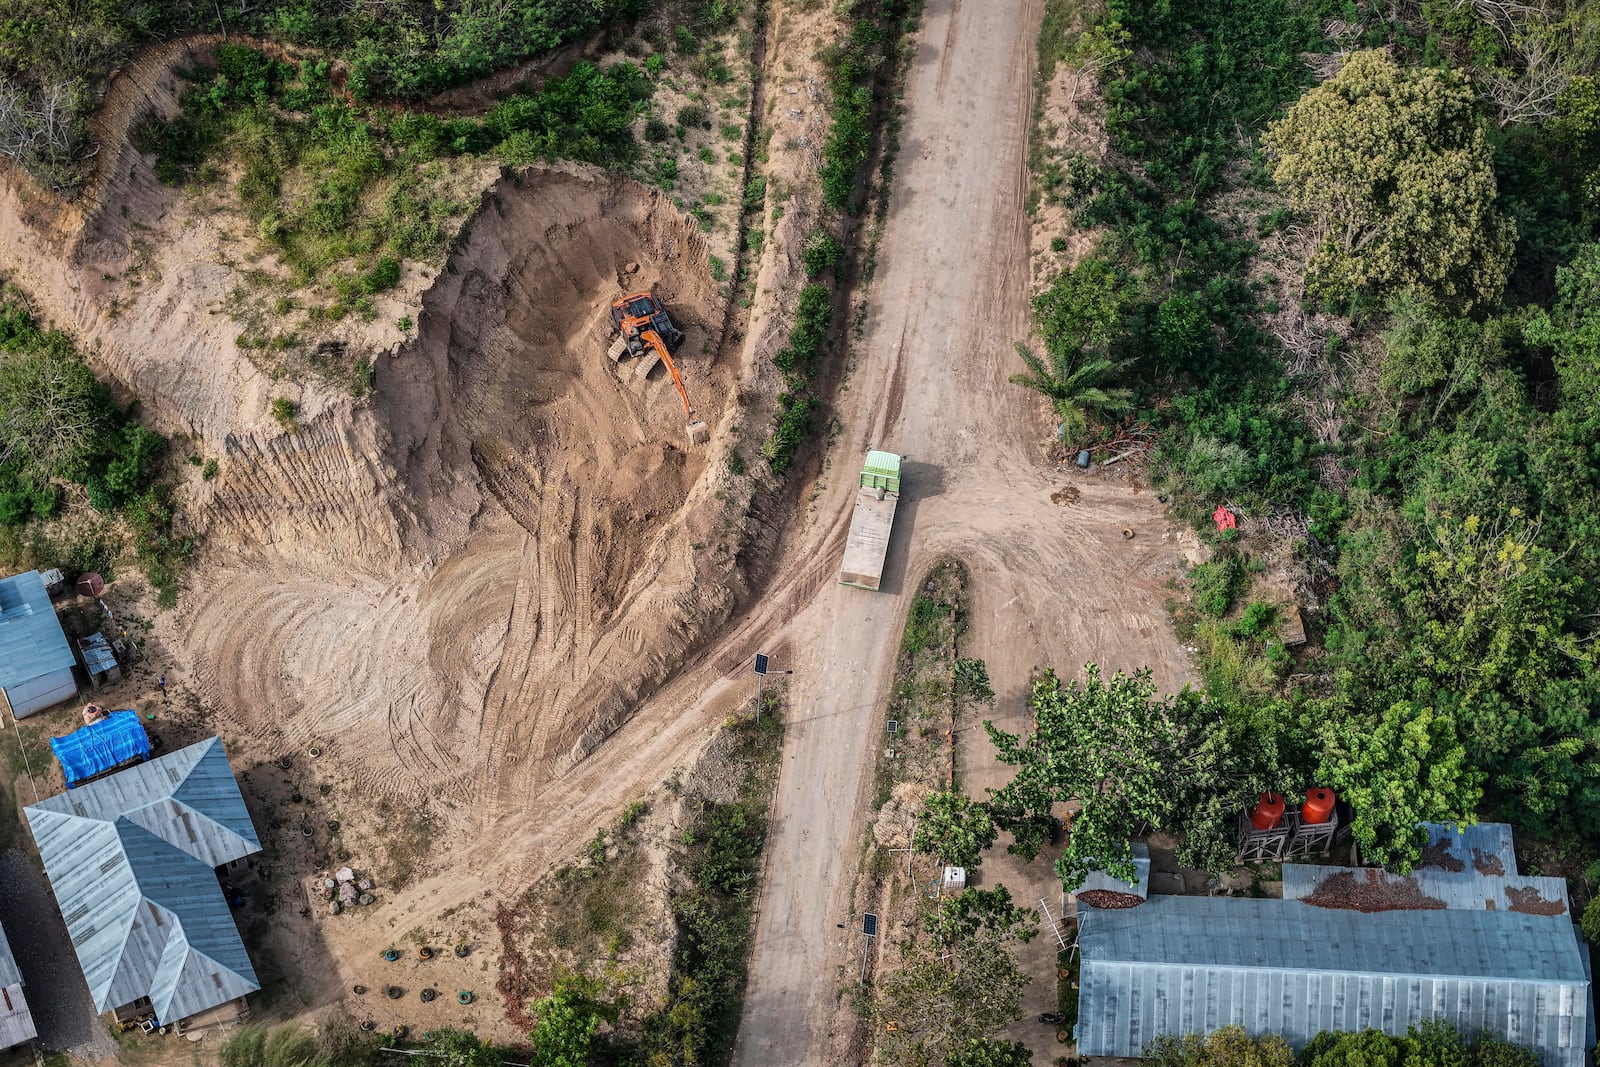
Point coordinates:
pixel 720 851
pixel 930 683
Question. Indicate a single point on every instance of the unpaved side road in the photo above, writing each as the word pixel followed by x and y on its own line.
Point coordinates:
pixel 1058 583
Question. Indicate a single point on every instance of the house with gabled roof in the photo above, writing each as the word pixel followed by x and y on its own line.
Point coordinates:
pixel 16 1021
pixel 1464 938
pixel 35 660
pixel 132 859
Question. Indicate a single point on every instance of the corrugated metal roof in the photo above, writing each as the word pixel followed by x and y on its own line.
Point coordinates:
pixel 1468 890
pixel 32 643
pixel 131 860
pixel 9 975
pixel 1104 881
pixel 16 1021
pixel 98 656
pixel 1485 847
pixel 1193 964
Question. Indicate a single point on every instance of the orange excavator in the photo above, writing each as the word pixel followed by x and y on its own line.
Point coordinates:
pixel 646 332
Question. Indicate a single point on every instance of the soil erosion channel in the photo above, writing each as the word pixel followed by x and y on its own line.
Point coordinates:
pixel 1060 585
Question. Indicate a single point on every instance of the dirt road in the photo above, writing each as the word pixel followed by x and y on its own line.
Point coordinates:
pixel 1053 584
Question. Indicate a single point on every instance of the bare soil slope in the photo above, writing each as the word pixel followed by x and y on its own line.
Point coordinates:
pixel 525 569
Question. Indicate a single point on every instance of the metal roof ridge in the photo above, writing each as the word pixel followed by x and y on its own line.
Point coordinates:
pixel 1372 973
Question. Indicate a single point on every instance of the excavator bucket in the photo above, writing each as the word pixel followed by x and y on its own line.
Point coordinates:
pixel 699 432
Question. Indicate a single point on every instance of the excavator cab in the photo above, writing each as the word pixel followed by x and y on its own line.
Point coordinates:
pixel 645 331
pixel 641 311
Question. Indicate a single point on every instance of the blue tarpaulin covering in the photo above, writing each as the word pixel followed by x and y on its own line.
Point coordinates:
pixel 100 746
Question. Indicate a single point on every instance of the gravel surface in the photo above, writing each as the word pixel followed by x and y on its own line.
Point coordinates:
pixel 1487 863
pixel 56 992
pixel 1528 901
pixel 1372 891
pixel 1438 855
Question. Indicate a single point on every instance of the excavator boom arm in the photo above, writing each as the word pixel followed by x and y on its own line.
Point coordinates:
pixel 653 339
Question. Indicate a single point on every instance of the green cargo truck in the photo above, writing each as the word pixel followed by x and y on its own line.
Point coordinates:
pixel 877 494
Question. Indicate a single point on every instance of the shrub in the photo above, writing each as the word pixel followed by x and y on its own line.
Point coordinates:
pixel 693 115
pixel 822 251
pixel 1219 583
pixel 384 275
pixel 656 131
pixel 755 194
pixel 1590 923
pixel 286 413
pixel 209 470
pixel 130 469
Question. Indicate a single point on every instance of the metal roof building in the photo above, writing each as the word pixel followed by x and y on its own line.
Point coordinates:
pixel 1181 965
pixel 131 859
pixel 35 659
pixel 16 1022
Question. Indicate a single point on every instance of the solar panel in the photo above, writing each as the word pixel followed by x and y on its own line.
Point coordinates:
pixel 894 727
pixel 761 663
pixel 869 924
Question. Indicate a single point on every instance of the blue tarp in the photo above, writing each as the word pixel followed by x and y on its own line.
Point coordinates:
pixel 100 746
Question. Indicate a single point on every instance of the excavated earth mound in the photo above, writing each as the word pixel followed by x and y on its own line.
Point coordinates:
pixel 525 568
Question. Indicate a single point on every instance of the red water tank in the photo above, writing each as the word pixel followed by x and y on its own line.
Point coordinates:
pixel 1266 813
pixel 1318 806
pixel 91 584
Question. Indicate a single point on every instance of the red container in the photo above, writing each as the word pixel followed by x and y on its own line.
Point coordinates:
pixel 1265 815
pixel 1318 807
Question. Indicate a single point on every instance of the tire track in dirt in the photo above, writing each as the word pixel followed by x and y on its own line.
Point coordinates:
pixel 934 388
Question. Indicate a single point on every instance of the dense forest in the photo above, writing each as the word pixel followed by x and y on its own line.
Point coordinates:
pixel 1346 275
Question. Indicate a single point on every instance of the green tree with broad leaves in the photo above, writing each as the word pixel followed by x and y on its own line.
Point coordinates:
pixel 1134 762
pixel 1571 331
pixel 1398 769
pixel 991 1052
pixel 955 828
pixel 1392 166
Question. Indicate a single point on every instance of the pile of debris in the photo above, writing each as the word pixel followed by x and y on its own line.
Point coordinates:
pixel 344 890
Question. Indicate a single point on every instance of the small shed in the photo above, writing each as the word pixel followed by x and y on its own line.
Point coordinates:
pixel 99 660
pixel 35 660
pixel 92 750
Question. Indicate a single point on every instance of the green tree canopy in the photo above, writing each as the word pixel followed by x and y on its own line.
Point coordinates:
pixel 989 1052
pixel 1571 330
pixel 1399 769
pixel 1078 391
pixel 1230 1046
pixel 960 986
pixel 1392 166
pixel 955 828
pixel 983 913
pixel 1133 761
